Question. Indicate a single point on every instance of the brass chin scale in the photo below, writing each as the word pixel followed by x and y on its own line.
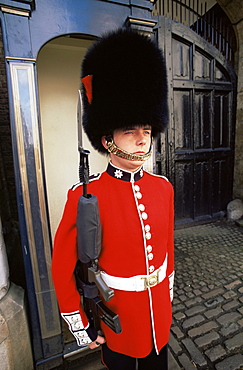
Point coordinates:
pixel 112 148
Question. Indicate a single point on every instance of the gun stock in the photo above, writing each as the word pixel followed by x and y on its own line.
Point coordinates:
pixel 94 307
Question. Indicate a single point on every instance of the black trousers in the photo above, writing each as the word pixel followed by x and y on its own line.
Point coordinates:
pixel 117 361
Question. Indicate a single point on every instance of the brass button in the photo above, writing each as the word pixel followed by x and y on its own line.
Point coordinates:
pixel 144 216
pixel 150 256
pixel 149 248
pixel 148 236
pixel 147 228
pixel 151 268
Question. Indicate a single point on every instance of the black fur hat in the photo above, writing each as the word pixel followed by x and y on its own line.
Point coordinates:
pixel 124 84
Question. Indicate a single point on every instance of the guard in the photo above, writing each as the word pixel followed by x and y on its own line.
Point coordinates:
pixel 125 106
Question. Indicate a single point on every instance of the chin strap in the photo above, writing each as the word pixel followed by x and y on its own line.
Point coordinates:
pixel 112 148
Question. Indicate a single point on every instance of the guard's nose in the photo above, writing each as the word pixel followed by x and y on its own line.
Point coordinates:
pixel 141 140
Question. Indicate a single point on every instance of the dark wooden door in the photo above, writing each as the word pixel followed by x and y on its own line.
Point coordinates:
pixel 196 153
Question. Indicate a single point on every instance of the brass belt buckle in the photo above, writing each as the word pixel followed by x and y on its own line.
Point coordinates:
pixel 151 280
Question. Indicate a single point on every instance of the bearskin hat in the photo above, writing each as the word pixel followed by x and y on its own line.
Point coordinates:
pixel 124 84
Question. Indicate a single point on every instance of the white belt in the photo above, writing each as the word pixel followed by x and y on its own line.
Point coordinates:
pixel 136 283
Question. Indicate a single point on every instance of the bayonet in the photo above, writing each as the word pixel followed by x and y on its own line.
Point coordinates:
pixel 84 153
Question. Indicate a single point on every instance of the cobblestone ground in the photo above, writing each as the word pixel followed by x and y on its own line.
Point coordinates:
pixel 207 330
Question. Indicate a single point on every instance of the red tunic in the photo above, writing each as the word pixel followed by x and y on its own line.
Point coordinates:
pixel 137 219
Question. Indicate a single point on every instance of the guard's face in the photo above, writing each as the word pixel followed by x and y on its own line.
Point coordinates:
pixel 135 140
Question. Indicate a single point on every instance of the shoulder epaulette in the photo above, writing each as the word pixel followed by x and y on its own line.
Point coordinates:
pixel 92 177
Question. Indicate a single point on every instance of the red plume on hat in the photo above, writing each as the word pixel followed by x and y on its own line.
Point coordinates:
pixel 124 84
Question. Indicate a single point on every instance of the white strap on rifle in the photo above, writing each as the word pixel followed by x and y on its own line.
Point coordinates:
pixel 136 283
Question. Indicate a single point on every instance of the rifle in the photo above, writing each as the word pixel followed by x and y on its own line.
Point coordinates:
pixel 88 277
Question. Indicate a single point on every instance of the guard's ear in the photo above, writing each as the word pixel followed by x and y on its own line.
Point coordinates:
pixel 104 142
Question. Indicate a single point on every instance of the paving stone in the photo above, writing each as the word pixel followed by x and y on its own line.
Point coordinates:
pixel 190 295
pixel 215 353
pixel 230 294
pixel 179 316
pixel 240 322
pixel 197 292
pixel 186 362
pixel 204 288
pixel 213 313
pixel 182 298
pixel 228 318
pixel 202 329
pixel 207 339
pixel 174 345
pixel 173 365
pixel 192 302
pixel 188 288
pixel 213 293
pixel 235 342
pixel 240 310
pixel 195 320
pixel 234 276
pixel 230 305
pixel 177 331
pixel 229 329
pixel 178 307
pixel 195 354
pixel 233 285
pixel 194 310
pixel 234 362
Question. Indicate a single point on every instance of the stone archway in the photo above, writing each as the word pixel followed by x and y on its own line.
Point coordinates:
pixel 234 10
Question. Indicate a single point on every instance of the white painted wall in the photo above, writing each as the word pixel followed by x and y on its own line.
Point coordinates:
pixel 58 68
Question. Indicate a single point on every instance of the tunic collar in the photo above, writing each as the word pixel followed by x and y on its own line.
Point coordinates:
pixel 120 174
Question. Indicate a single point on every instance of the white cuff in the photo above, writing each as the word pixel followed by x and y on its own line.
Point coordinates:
pixel 77 328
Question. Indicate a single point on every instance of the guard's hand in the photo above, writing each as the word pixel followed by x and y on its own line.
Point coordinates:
pixel 99 340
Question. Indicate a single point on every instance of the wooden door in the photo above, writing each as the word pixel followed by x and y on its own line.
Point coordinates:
pixel 196 153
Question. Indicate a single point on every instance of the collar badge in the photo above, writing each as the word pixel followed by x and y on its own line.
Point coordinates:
pixel 118 174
